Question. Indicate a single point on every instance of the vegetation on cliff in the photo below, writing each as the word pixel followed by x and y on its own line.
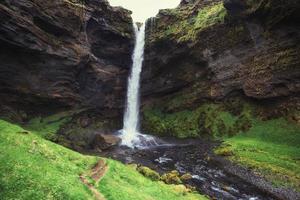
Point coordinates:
pixel 188 24
pixel 209 119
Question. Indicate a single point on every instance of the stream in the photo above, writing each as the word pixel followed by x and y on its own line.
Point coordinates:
pixel 194 157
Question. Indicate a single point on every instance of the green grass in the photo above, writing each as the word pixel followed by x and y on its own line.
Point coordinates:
pixel 127 184
pixel 47 127
pixel 33 168
pixel 271 148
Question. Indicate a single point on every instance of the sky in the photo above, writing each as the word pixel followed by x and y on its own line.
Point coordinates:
pixel 144 9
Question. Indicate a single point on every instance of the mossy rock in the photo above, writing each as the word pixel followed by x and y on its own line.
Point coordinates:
pixel 224 151
pixel 171 178
pixel 186 177
pixel 182 189
pixel 149 173
pixel 133 166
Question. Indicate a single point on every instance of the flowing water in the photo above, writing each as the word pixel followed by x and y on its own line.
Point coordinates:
pixel 130 133
pixel 208 176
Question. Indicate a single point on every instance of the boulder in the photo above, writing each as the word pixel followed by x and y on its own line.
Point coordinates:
pixel 149 173
pixel 105 141
pixel 172 177
pixel 186 177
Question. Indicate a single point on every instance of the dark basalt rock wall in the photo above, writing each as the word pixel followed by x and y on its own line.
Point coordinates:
pixel 208 50
pixel 62 53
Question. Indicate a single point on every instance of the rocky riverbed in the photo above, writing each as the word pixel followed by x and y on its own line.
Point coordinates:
pixel 210 174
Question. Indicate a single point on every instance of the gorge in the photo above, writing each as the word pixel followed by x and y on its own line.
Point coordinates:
pixel 199 102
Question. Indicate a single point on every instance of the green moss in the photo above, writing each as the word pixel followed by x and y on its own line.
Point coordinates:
pixel 123 182
pixel 186 177
pixel 209 16
pixel 180 124
pixel 171 178
pixel 207 119
pixel 224 150
pixel 186 24
pixel 271 148
pixel 147 172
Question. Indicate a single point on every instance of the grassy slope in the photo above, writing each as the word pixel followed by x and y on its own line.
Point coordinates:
pixel 130 185
pixel 270 148
pixel 34 168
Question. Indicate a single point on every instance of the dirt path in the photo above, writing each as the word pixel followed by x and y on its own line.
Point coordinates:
pixel 97 172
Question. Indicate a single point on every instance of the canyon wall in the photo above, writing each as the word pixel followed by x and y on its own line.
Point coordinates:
pixel 222 52
pixel 63 54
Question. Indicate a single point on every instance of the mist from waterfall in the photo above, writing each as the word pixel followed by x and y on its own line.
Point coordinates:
pixel 130 132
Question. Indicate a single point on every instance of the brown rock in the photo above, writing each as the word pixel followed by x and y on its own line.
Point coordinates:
pixel 251 53
pixel 105 141
pixel 58 58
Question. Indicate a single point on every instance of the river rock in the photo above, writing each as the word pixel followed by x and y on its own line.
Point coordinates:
pixel 171 177
pixel 186 177
pixel 147 172
pixel 105 141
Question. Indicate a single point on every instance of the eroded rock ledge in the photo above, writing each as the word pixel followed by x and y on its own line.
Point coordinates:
pixel 63 53
pixel 209 57
pixel 210 49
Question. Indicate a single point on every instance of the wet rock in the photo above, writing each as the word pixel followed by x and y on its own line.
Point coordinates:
pixel 104 141
pixel 84 122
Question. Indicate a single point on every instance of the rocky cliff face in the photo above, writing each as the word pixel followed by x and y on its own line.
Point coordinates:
pixel 63 53
pixel 210 50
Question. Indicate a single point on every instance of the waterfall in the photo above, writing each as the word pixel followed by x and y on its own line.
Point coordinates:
pixel 130 133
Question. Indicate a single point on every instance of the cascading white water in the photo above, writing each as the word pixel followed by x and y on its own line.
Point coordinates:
pixel 130 133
